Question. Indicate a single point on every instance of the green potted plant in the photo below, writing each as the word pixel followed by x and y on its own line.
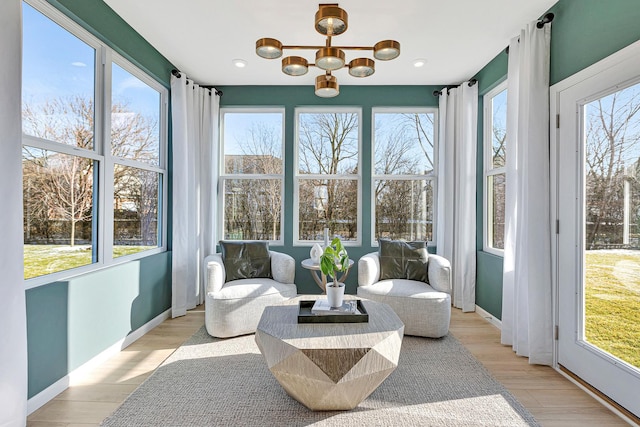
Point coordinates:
pixel 334 260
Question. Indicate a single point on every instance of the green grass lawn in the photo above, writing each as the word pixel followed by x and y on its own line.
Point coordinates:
pixel 46 259
pixel 612 300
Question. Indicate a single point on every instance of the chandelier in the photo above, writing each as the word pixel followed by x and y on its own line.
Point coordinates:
pixel 330 21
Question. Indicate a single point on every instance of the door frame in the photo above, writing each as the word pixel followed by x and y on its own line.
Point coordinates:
pixel 629 55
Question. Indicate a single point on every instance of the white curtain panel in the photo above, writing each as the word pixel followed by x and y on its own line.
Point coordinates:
pixel 456 219
pixel 195 169
pixel 13 332
pixel 446 175
pixel 526 300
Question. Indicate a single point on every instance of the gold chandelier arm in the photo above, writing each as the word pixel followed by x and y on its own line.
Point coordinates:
pixel 335 47
pixel 328 72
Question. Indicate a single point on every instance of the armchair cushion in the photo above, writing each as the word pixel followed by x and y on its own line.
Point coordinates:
pixel 246 260
pixel 403 260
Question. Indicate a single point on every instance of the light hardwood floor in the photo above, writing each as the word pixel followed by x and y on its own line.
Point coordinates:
pixel 551 398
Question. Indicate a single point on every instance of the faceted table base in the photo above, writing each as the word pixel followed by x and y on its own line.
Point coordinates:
pixel 330 366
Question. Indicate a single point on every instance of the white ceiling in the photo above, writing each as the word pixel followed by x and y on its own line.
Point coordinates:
pixel 456 37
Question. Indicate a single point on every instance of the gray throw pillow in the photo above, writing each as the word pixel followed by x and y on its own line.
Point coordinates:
pixel 403 260
pixel 246 260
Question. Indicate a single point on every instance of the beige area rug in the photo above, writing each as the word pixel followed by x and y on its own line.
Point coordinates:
pixel 213 382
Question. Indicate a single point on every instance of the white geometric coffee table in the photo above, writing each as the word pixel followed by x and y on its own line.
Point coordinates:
pixel 330 366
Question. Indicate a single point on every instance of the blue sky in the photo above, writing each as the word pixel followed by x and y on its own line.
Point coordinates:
pixel 58 64
pixel 237 126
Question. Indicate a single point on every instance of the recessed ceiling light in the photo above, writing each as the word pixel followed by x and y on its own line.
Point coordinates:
pixel 240 63
pixel 419 62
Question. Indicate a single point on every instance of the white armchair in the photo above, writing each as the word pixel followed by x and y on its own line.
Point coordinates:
pixel 234 308
pixel 425 308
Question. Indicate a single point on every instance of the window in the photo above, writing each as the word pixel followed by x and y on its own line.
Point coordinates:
pixel 73 170
pixel 404 177
pixel 138 177
pixel 327 178
pixel 495 130
pixel 252 177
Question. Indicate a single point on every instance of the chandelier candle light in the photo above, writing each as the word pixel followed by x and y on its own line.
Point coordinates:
pixel 330 21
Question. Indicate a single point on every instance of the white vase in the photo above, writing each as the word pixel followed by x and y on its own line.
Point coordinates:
pixel 316 252
pixel 335 294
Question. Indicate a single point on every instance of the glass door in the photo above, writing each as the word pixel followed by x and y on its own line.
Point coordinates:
pixel 598 257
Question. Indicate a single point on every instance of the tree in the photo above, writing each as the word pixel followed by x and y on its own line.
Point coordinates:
pixel 328 146
pixel 404 146
pixel 612 151
pixel 59 187
pixel 498 188
pixel 328 186
pixel 64 183
pixel 253 208
pixel 422 126
pixel 136 205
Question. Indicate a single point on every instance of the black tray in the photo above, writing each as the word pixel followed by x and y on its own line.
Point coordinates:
pixel 306 316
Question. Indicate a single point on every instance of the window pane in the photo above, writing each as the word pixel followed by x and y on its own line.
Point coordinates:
pixel 499 128
pixel 404 143
pixel 135 118
pixel 328 143
pixel 59 221
pixel 252 209
pixel 495 215
pixel 329 203
pixel 252 143
pixel 58 82
pixel 135 210
pixel 404 209
pixel 612 224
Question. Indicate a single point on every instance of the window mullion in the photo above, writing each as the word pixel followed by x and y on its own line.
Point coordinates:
pixel 106 185
pixel 33 141
pixel 136 164
pixel 496 171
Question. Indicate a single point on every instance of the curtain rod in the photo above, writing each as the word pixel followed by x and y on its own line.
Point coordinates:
pixel 437 93
pixel 211 88
pixel 545 20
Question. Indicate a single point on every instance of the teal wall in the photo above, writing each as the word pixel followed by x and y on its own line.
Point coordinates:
pixel 69 322
pixel 488 266
pixel 586 31
pixel 583 32
pixel 364 97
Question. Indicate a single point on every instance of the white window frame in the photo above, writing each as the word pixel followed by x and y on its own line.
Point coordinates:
pixel 489 170
pixel 102 151
pixel 433 176
pixel 160 169
pixel 297 177
pixel 225 176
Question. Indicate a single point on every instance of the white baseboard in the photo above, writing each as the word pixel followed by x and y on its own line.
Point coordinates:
pixel 63 383
pixel 489 317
